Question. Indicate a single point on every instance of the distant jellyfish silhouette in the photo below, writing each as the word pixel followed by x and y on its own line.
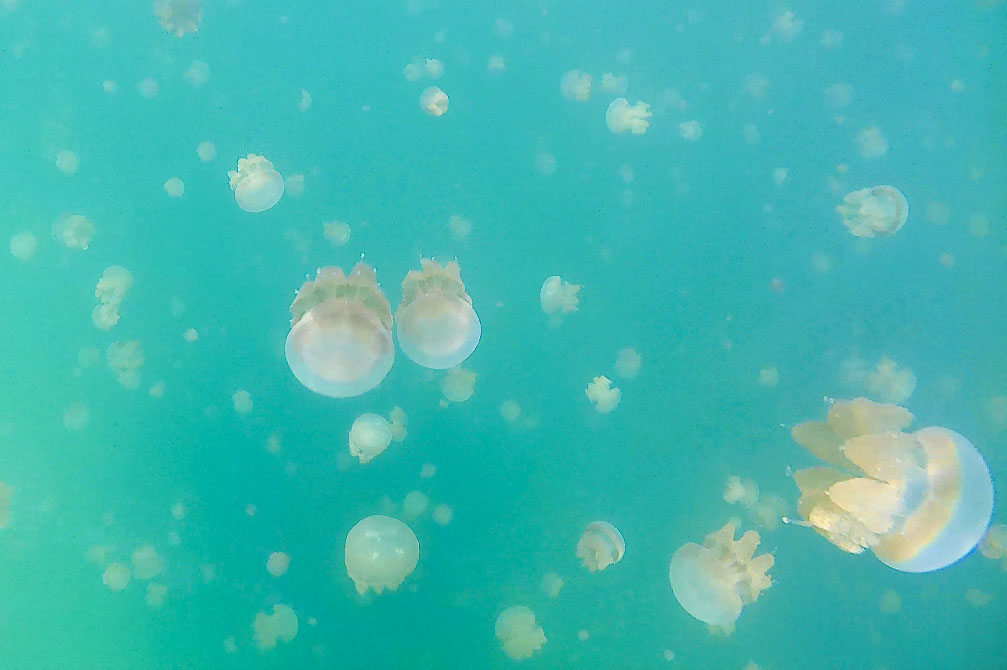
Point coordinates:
pixel 600 546
pixel 879 211
pixel 380 553
pixel 256 185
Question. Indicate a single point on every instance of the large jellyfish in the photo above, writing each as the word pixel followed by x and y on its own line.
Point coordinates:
pixel 256 185
pixel 380 553
pixel 713 581
pixel 179 16
pixel 436 325
pixel 874 212
pixel 340 340
pixel 557 295
pixel 622 116
pixel 370 435
pixel 600 546
pixel 519 633
pixel 920 501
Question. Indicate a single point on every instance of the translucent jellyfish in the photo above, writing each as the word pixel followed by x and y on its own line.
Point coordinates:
pixel 890 602
pixel 116 577
pixel 871 142
pixel 399 421
pixel 920 501
pixel 340 340
pixel 613 84
pixel 627 363
pixel 434 101
pixel 786 26
pixel 558 296
pixel 242 401
pixel 147 88
pixel 370 435
pixel 838 96
pixel 76 416
pixel 443 514
pixel 336 232
pixel 125 361
pixel 206 151
pixel 690 131
pixel 575 85
pixel 769 376
pixel 768 512
pixel 256 185
pixel 6 494
pixel 436 324
pixel 268 629
pixel 994 542
pixel 380 553
pixel 518 632
pixel 198 74
pixel 155 594
pixel 414 71
pixel 874 212
pixel 294 185
pixel 458 384
pixel 67 162
pixel 460 226
pixel 713 581
pixel 179 16
pixel 602 395
pixel 510 410
pixel 741 491
pixel 23 245
pixel 496 63
pixel 622 117
pixel 434 68
pixel 174 187
pixel 600 546
pixel 890 383
pixel 146 563
pixel 73 231
pixel 304 104
pixel 551 583
pixel 277 563
pixel 414 504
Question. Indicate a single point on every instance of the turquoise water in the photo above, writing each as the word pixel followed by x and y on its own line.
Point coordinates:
pixel 676 262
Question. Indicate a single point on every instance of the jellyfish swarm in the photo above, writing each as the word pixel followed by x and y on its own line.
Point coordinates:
pixel 436 325
pixel 557 295
pixel 874 212
pixel 179 16
pixel 340 339
pixel 380 553
pixel 920 501
pixel 622 117
pixel 600 546
pixel 518 632
pixel 256 185
pixel 713 581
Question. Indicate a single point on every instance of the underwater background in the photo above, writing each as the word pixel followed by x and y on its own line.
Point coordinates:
pixel 720 274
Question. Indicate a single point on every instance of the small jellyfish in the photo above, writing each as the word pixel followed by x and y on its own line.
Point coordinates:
pixel 206 151
pixel 602 395
pixel 622 117
pixel 179 16
pixel 336 232
pixel 890 383
pixel 436 324
pixel 174 187
pixel 600 546
pixel 443 514
pixel 551 583
pixel 399 421
pixel 558 296
pixel 690 131
pixel 67 162
pixel 743 491
pixel 155 594
pixel 198 74
pixel 125 361
pixel 268 629
pixel 116 576
pixel 518 632
pixel 370 435
pixel 713 581
pixel 434 101
pixel 575 85
pixel 277 563
pixel 6 494
pixel 242 401
pixel 613 84
pixel 73 231
pixel 627 363
pixel 414 504
pixel 146 563
pixel 994 543
pixel 340 340
pixel 874 212
pixel 23 245
pixel 458 384
pixel 920 501
pixel 871 142
pixel 380 553
pixel 256 185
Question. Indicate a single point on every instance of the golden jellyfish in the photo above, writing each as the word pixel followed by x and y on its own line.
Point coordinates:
pixel 268 629
pixel 519 633
pixel 557 295
pixel 994 542
pixel 370 435
pixel 23 245
pixel 340 340
pixel 602 395
pixel 715 580
pixel 436 324
pixel 878 211
pixel 920 501
pixel 179 16
pixel 743 491
pixel 600 546
pixel 575 85
pixel 890 383
pixel 399 421
pixel 380 553
pixel 256 185
pixel 434 101
pixel 458 384
pixel 622 117
pixel 73 231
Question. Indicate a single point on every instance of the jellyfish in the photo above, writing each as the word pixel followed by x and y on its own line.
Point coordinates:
pixel 242 401
pixel 434 101
pixel 519 633
pixel 370 435
pixel 23 245
pixel 198 73
pixel 874 212
pixel 920 501
pixel 67 162
pixel 871 142
pixel 146 563
pixel 414 504
pixel 551 583
pixel 268 629
pixel 336 232
pixel 277 563
pixel 256 185
pixel 613 84
pixel 380 553
pixel 622 117
pixel 994 542
pixel 890 383
pixel 627 363
pixel 738 490
pixel 206 151
pixel 602 395
pixel 458 384
pixel 690 131
pixel 6 494
pixel 443 514
pixel 340 340
pixel 557 295
pixel 600 546
pixel 73 231
pixel 125 361
pixel 436 325
pixel 179 16
pixel 714 580
pixel 575 85
pixel 155 594
pixel 116 576
pixel 174 187
pixel 399 421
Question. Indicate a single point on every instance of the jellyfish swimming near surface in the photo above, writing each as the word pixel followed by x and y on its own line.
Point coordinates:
pixel 435 322
pixel 600 546
pixel 380 553
pixel 715 580
pixel 920 501
pixel 256 185
pixel 879 211
pixel 340 339
pixel 518 632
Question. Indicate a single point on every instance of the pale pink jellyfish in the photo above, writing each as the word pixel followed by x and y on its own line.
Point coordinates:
pixel 340 340
pixel 256 185
pixel 622 117
pixel 600 546
pixel 380 553
pixel 920 501
pixel 436 325
pixel 518 632
pixel 434 101
pixel 179 16
pixel 879 211
pixel 713 581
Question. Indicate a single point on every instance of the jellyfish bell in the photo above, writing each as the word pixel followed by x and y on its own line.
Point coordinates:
pixel 435 322
pixel 380 553
pixel 518 632
pixel 256 185
pixel 340 339
pixel 879 211
pixel 600 546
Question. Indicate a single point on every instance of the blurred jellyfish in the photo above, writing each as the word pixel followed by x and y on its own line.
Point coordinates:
pixel 838 96
pixel 713 581
pixel 460 226
pixel 256 185
pixel 552 584
pixel 769 376
pixel 174 187
pixel 602 395
pixel 294 185
pixel 575 85
pixel 67 162
pixel 23 245
pixel 6 494
pixel 443 514
pixel 125 361
pixel 994 543
pixel 116 577
pixel 198 74
pixel 206 151
pixel 268 629
pixel 627 363
pixel 73 231
pixel 496 63
pixel 434 101
pixel 414 71
pixel 557 295
pixel 780 175
pixel 690 131
pixel 768 512
pixel 600 546
pixel 458 384
pixel 786 26
pixel 871 143
pixel 147 88
pixel 242 401
pixel 920 501
pixel 622 117
pixel 890 383
pixel 155 594
pixel 304 104
pixel 510 410
pixel 146 563
pixel 434 68
pixel 518 632
pixel 277 563
pixel 336 232
pixel 613 84
pixel 76 416
pixel 756 85
pixel 831 39
pixel 414 504
pixel 879 211
pixel 380 553
pixel 370 435
pixel 399 424
pixel 340 340
pixel 436 324
pixel 179 16
pixel 741 491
